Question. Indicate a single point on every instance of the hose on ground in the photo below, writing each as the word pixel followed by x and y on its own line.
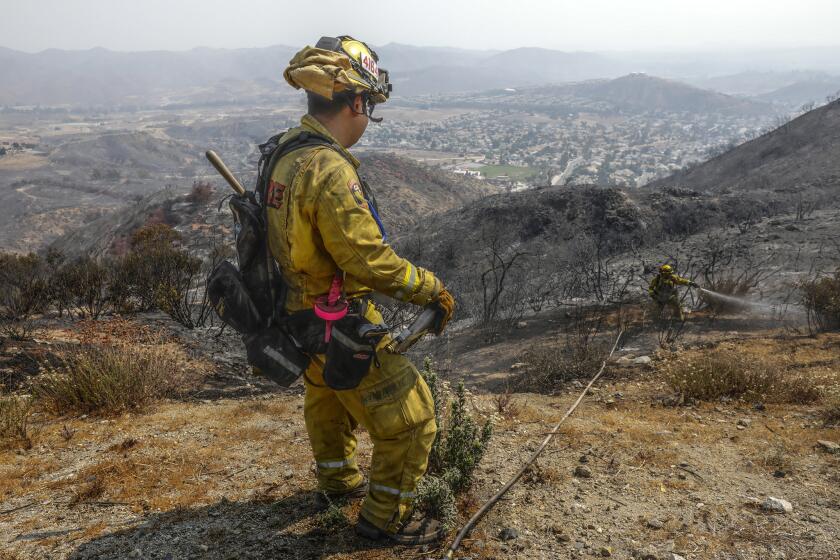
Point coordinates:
pixel 492 501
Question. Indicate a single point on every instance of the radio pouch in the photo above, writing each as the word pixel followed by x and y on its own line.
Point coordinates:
pixel 349 355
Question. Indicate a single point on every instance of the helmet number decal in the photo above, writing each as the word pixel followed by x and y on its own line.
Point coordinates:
pixel 369 64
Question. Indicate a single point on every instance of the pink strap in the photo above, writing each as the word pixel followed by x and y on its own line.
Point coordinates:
pixel 335 289
pixel 333 307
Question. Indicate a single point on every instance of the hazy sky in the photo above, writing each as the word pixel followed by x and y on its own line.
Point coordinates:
pixel 33 25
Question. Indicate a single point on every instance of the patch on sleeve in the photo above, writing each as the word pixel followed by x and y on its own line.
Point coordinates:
pixel 274 197
pixel 358 194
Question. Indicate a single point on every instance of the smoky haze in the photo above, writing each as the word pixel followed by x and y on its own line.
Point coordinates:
pixel 596 25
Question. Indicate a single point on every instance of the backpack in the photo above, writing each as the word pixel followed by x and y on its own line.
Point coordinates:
pixel 250 298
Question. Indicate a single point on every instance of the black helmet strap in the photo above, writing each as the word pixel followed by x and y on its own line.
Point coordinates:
pixel 367 106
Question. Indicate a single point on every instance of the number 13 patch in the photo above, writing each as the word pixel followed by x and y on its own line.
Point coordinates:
pixel 274 197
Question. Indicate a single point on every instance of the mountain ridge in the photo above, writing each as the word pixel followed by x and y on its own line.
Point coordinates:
pixel 801 153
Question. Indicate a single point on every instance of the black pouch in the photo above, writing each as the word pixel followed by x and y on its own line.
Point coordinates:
pixel 348 354
pixel 307 329
pixel 274 354
pixel 227 292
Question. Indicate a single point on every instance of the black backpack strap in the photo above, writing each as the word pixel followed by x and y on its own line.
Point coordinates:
pixel 272 151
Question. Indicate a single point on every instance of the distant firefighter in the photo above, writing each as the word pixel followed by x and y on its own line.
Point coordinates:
pixel 663 290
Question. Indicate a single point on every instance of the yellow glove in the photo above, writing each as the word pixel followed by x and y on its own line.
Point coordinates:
pixel 445 307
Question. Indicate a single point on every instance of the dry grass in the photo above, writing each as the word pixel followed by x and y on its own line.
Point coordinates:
pixel 777 456
pixel 117 330
pixel 18 476
pixel 162 463
pixel 538 474
pixel 729 372
pixel 91 490
pixel 14 421
pixel 548 367
pixel 153 482
pixel 110 379
pixel 123 446
pixel 831 412
pixel 506 406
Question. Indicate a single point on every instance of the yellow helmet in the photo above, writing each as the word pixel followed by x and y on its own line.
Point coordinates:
pixel 337 65
pixel 666 269
pixel 366 73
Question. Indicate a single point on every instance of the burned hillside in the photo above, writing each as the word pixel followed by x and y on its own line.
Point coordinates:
pixel 799 156
pixel 409 192
pixel 406 191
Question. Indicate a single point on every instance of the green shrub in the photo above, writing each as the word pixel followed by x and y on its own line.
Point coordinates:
pixel 14 421
pixel 459 445
pixel 435 499
pixel 728 373
pixel 108 379
pixel 463 444
pixel 821 298
pixel 332 519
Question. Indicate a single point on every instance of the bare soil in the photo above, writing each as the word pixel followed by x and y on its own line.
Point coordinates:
pixel 226 471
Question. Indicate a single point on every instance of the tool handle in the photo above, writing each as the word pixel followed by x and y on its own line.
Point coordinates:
pixel 223 170
pixel 406 339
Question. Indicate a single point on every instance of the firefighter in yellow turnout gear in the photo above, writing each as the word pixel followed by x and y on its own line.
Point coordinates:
pixel 321 222
pixel 663 290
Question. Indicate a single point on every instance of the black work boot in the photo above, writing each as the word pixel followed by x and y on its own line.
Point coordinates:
pixel 422 531
pixel 323 500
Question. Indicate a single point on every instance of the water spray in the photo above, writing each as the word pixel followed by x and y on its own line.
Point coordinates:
pixel 741 303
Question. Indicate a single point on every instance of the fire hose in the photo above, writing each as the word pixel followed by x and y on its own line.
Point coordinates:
pixel 492 501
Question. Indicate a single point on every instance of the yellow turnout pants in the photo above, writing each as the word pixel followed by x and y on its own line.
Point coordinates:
pixel 395 406
pixel 671 302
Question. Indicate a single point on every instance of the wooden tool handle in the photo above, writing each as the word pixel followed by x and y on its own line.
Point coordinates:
pixel 220 166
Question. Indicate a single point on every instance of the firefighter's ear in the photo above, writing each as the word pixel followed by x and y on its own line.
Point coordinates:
pixel 359 104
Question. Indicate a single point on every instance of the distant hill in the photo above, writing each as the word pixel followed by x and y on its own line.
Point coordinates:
pixel 804 152
pixel 404 58
pixel 754 83
pixel 443 79
pixel 100 77
pixel 125 152
pixel 512 68
pixel 799 93
pixel 643 92
pixel 533 65
pixel 103 77
pixel 632 93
